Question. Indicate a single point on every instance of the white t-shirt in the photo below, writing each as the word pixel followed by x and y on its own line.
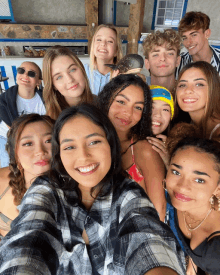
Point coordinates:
pixel 29 106
pixel 3 129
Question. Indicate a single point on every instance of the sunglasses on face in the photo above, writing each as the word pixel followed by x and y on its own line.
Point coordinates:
pixel 29 73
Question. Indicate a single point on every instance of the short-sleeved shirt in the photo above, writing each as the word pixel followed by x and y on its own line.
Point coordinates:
pixel 124 231
pixel 186 58
pixel 96 80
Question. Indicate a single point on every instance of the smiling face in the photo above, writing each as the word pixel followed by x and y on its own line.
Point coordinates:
pixel 34 149
pixel 192 92
pixel 161 116
pixel 68 79
pixel 191 179
pixel 195 40
pixel 25 81
pixel 127 108
pixel 84 152
pixel 105 45
pixel 162 61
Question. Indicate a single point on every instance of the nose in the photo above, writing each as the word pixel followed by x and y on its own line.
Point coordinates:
pixel 189 89
pixel 156 113
pixel 40 149
pixel 128 111
pixel 183 185
pixel 69 78
pixel 83 152
pixel 162 56
pixel 103 42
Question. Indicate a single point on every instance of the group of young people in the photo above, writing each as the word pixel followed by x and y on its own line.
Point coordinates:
pixel 84 190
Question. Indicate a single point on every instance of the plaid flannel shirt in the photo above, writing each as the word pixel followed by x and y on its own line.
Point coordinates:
pixel 124 231
pixel 187 58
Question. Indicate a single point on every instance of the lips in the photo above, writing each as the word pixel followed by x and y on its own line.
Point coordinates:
pixel 162 66
pixel 181 197
pixel 42 162
pixel 189 100
pixel 88 169
pixel 73 87
pixel 124 121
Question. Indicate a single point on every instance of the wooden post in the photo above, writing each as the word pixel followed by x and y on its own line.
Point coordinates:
pixel 91 10
pixel 135 25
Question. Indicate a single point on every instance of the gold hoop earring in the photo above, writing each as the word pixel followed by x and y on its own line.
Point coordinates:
pixel 164 184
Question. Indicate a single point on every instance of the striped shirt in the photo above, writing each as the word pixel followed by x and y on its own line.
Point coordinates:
pixel 124 231
pixel 187 58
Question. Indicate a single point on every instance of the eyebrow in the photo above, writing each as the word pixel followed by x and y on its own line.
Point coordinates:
pixel 196 79
pixel 137 102
pixel 88 136
pixel 73 64
pixel 190 33
pixel 195 171
pixel 108 37
pixel 26 137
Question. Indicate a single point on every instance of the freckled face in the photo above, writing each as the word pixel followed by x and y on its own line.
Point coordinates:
pixel 84 151
pixel 127 108
pixel 191 179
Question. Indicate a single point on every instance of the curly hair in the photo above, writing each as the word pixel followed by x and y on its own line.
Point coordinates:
pixel 106 97
pixel 16 175
pixel 54 101
pixel 158 38
pixel 194 20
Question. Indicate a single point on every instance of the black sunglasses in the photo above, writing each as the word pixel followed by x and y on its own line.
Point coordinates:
pixel 29 73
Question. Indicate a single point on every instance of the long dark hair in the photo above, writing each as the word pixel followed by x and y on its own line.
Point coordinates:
pixel 58 172
pixel 105 98
pixel 16 175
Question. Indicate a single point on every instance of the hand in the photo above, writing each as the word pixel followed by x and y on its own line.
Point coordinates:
pixel 160 147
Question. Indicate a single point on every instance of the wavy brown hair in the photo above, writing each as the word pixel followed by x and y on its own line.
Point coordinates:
pixel 54 101
pixel 212 108
pixel 16 175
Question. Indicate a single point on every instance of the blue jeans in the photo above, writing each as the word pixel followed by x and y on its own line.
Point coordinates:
pixel 4 159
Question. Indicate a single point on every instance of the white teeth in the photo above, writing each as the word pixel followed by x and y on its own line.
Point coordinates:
pixel 156 123
pixel 103 51
pixel 189 100
pixel 191 47
pixel 87 168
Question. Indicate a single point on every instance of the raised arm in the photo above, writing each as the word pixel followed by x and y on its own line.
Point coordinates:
pixel 153 170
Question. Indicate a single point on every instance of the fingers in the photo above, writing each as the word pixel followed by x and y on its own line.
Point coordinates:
pixel 160 144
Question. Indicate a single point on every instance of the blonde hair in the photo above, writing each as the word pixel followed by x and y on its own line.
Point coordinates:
pixel 93 62
pixel 169 36
pixel 54 101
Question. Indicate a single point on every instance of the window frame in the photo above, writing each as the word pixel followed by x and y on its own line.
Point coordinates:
pixel 11 17
pixel 155 12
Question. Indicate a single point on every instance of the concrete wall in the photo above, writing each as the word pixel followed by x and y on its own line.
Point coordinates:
pixel 49 11
pixel 123 11
pixel 212 9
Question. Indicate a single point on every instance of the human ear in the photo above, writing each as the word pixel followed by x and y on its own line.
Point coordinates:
pixel 147 64
pixel 207 33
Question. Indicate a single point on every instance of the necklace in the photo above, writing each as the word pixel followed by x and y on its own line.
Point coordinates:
pixel 189 226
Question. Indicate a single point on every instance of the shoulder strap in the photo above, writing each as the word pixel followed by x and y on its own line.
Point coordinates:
pixel 132 150
pixel 213 130
pixel 216 232
pixel 2 195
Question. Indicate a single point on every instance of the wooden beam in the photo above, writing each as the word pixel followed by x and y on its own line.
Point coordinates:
pixel 135 25
pixel 91 11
